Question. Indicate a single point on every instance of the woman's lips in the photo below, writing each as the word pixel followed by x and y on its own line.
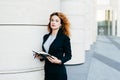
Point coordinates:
pixel 53 25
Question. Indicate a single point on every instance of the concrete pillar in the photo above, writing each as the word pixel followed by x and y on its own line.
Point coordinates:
pixel 74 9
pixel 82 19
pixel 113 23
pixel 94 21
pixel 118 20
pixel 90 25
pixel 115 15
pixel 22 26
pixel 16 60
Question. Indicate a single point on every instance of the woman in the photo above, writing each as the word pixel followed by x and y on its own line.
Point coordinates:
pixel 57 44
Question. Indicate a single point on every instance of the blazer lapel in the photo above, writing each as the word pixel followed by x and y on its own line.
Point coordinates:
pixel 45 41
pixel 54 41
pixel 52 44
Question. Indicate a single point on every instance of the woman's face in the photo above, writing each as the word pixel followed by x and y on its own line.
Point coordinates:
pixel 55 22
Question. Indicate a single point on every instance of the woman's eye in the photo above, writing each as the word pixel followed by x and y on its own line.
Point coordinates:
pixel 52 20
pixel 57 21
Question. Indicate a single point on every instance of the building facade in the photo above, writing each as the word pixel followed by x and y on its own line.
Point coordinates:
pixel 23 24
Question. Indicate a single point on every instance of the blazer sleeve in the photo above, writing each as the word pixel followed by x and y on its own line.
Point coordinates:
pixel 67 50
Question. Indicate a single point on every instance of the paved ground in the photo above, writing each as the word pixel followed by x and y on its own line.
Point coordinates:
pixel 102 61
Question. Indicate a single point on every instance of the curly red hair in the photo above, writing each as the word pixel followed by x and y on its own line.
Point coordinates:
pixel 65 24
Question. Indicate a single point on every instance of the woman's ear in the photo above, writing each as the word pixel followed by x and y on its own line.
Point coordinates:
pixel 60 27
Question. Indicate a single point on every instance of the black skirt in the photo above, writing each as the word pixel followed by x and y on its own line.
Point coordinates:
pixel 55 72
pixel 55 77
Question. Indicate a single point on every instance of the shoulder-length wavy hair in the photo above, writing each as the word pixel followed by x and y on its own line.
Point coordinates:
pixel 65 24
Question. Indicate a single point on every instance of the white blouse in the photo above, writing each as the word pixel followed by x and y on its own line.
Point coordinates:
pixel 48 42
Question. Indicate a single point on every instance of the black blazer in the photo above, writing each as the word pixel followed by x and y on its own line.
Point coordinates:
pixel 60 47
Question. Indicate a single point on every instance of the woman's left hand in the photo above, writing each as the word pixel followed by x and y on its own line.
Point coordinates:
pixel 54 60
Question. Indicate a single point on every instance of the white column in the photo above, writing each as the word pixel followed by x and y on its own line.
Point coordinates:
pixel 94 21
pixel 82 18
pixel 74 9
pixel 115 6
pixel 90 19
pixel 16 60
pixel 113 23
pixel 20 33
pixel 118 20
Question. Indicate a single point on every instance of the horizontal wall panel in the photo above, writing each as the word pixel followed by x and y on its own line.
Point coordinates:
pixel 16 45
pixel 27 11
pixel 38 75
